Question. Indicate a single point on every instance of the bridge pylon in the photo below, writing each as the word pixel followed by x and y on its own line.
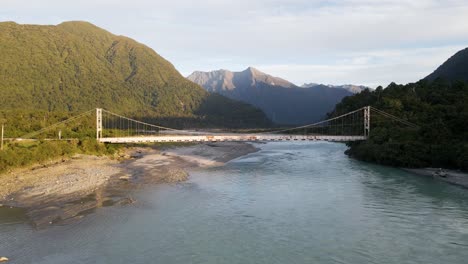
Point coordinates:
pixel 98 123
pixel 367 112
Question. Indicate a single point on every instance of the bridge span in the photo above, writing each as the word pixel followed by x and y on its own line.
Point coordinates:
pixel 114 128
pixel 238 137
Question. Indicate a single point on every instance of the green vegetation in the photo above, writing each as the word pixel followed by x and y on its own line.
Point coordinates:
pixel 20 122
pixel 76 66
pixel 439 108
pixel 51 73
pixel 26 153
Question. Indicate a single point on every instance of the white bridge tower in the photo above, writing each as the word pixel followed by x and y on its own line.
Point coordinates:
pixel 367 121
pixel 98 123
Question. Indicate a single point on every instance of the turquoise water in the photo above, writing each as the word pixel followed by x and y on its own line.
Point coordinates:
pixel 288 203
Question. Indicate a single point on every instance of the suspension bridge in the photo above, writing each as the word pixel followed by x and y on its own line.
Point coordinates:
pixel 114 128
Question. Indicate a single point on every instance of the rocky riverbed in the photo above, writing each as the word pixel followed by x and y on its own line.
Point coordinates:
pixel 67 190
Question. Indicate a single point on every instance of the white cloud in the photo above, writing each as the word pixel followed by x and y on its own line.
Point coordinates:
pixel 371 69
pixel 343 41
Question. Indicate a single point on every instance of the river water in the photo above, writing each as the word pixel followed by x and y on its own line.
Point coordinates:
pixel 288 203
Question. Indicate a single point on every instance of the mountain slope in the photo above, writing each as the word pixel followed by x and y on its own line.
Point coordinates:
pixel 76 66
pixel 222 80
pixel 439 108
pixel 454 69
pixel 282 101
pixel 349 87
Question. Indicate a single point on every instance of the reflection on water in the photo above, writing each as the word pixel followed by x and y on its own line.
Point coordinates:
pixel 289 203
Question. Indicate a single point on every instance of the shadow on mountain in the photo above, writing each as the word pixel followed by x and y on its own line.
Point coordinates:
pixel 290 106
pixel 216 111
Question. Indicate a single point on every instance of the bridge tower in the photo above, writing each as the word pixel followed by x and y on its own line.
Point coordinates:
pixel 98 123
pixel 366 121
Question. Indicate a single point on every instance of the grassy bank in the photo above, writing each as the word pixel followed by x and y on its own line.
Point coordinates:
pixel 18 154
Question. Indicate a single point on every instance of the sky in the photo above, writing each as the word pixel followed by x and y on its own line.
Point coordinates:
pixel 331 42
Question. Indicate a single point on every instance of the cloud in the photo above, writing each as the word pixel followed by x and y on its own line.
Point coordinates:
pixel 370 68
pixel 352 41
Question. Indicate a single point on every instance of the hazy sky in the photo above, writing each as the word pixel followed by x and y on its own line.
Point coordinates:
pixel 333 42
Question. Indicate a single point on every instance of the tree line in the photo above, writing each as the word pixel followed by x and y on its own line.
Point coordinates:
pixel 439 108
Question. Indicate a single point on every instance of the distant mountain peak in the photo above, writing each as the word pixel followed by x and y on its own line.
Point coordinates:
pixel 254 71
pixel 306 85
pixel 281 100
pixel 251 69
pixel 349 87
pixel 259 76
pixel 224 79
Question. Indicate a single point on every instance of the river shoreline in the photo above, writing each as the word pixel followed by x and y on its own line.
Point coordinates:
pixel 450 176
pixel 66 191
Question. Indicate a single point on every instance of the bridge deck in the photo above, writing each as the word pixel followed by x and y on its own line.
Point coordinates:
pixel 238 137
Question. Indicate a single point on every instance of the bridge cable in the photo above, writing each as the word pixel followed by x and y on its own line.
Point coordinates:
pixel 136 122
pixel 405 122
pixel 314 124
pixel 31 134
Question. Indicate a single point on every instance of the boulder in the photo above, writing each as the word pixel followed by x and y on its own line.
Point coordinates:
pixel 124 178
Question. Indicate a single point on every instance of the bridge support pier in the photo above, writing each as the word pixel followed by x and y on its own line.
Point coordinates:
pixel 98 123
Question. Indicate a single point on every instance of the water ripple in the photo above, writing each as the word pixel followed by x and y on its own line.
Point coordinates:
pixel 288 203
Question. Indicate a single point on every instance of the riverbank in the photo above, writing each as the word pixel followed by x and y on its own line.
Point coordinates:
pixel 67 190
pixel 450 176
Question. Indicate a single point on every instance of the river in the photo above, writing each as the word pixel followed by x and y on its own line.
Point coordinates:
pixel 288 203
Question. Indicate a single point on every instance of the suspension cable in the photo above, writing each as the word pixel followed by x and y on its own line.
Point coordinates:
pixel 395 118
pixel 136 122
pixel 31 134
pixel 331 125
pixel 314 124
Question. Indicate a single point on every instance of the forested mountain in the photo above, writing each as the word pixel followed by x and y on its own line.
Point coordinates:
pixel 454 69
pixel 76 66
pixel 282 101
pixel 438 107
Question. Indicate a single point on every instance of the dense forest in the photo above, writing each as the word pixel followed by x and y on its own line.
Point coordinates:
pixel 51 73
pixel 439 108
pixel 76 66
